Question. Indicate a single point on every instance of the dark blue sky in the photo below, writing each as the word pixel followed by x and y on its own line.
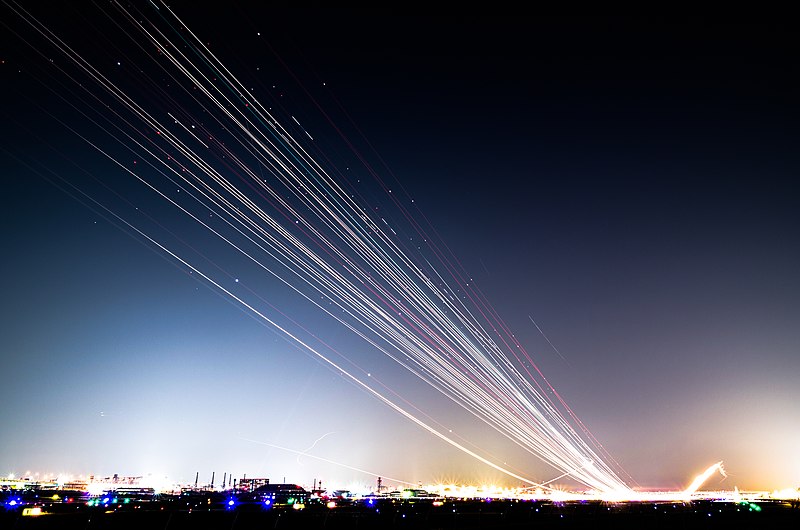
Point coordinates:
pixel 627 183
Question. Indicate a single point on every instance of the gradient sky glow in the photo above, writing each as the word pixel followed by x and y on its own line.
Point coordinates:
pixel 628 184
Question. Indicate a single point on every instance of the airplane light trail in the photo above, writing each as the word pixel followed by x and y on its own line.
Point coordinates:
pixel 303 227
pixel 702 477
pixel 323 459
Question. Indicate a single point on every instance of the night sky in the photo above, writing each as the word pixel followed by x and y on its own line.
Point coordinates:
pixel 620 190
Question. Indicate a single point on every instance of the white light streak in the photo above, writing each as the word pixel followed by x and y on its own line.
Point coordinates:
pixel 303 227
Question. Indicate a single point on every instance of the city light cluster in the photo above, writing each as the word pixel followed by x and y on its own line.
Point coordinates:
pixel 103 490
